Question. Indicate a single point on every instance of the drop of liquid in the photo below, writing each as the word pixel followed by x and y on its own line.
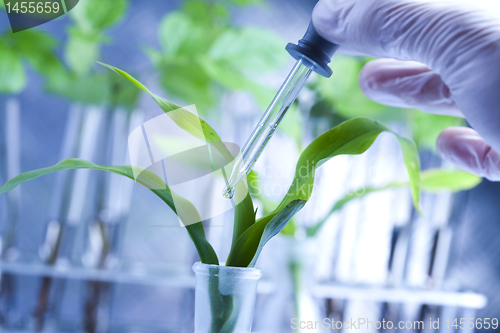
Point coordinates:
pixel 228 192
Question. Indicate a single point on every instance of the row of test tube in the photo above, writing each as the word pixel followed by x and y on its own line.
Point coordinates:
pixel 85 202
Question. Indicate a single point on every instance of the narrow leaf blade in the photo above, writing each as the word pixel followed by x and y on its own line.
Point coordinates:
pixel 248 247
pixel 191 124
pixel 147 179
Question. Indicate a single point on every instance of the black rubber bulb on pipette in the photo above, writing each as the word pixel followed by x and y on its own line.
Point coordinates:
pixel 316 51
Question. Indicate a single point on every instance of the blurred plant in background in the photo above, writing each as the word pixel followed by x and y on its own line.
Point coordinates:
pixel 203 54
pixel 31 47
pixel 73 79
pixel 86 37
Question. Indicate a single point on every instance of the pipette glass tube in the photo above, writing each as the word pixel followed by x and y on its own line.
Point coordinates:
pixel 268 124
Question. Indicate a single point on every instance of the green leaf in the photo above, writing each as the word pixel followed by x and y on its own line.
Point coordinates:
pixel 95 15
pixel 250 49
pixel 233 78
pixel 246 2
pixel 187 34
pixel 292 126
pixel 254 186
pixel 202 52
pixel 248 247
pixel 290 229
pixel 175 30
pixel 127 76
pixel 208 15
pixel 432 180
pixel 352 137
pixel 188 82
pixel 183 118
pixel 435 180
pixel 147 179
pixel 244 214
pixel 81 51
pixel 12 75
pixel 39 49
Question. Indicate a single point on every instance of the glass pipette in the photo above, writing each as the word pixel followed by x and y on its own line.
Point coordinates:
pixel 313 53
pixel 268 124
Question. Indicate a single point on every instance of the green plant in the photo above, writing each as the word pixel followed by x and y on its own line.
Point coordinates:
pixel 76 81
pixel 431 181
pixel 352 137
pixel 86 37
pixel 33 47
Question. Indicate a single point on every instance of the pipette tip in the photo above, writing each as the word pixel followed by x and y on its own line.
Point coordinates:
pixel 228 192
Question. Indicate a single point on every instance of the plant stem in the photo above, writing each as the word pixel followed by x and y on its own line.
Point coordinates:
pixel 221 307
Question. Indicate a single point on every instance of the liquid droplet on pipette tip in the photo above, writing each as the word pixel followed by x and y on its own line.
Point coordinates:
pixel 228 192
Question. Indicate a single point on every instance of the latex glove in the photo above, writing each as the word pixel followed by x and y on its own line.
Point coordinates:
pixel 448 62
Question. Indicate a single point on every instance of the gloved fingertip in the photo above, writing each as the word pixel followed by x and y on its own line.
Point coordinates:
pixel 465 148
pixel 382 81
pixel 407 84
pixel 456 142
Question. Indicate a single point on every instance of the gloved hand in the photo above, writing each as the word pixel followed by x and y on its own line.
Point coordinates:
pixel 446 60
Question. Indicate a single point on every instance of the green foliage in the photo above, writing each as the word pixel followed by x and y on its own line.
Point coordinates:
pixel 244 211
pixel 12 74
pixel 352 137
pixel 147 179
pixel 38 49
pixel 247 249
pixel 81 51
pixel 88 89
pixel 292 125
pixel 183 118
pixel 93 16
pixel 32 46
pixel 244 217
pixel 94 89
pixel 86 36
pixel 202 55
